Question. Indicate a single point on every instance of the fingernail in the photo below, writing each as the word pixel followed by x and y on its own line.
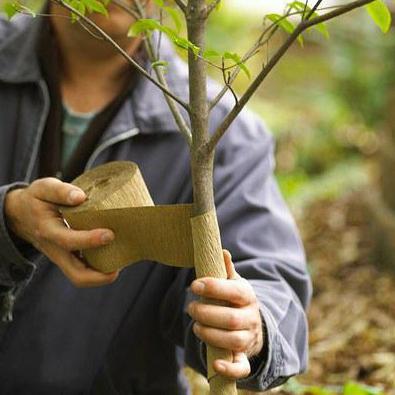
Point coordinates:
pixel 107 237
pixel 198 287
pixel 220 367
pixel 76 195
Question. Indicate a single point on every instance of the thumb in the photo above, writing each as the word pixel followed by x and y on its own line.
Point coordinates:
pixel 230 268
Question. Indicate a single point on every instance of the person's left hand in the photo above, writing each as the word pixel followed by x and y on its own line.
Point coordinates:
pixel 236 327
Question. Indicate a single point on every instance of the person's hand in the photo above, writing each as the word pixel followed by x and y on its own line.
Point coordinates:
pixel 32 214
pixel 236 327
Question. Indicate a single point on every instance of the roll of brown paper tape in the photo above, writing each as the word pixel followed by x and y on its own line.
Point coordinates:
pixel 118 199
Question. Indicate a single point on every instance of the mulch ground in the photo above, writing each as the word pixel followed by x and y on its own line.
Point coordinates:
pixel 352 316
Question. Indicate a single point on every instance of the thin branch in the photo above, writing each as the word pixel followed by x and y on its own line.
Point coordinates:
pixel 180 121
pixel 254 50
pixel 313 9
pixel 305 8
pixel 251 52
pixel 212 6
pixel 303 25
pixel 107 38
pixel 226 79
pixel 181 5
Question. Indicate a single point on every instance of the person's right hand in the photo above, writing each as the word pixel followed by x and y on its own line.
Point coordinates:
pixel 32 214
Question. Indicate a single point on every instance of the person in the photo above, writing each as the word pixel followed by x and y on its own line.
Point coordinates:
pixel 69 102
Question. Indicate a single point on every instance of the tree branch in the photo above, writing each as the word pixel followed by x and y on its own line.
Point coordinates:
pixel 180 121
pixel 211 7
pixel 181 5
pixel 303 25
pixel 107 38
pixel 313 9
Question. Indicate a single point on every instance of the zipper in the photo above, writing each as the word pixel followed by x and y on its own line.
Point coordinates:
pixel 41 126
pixel 108 143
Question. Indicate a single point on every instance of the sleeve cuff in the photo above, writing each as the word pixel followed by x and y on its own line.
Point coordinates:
pixel 266 366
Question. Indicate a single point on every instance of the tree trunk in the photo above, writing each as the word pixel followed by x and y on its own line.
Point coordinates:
pixel 208 257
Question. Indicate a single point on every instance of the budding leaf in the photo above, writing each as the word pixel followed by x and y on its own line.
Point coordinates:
pixel 236 58
pixel 305 10
pixel 284 24
pixel 147 26
pixel 380 14
pixel 10 9
pixel 95 6
pixel 159 63
pixel 210 53
pixel 78 6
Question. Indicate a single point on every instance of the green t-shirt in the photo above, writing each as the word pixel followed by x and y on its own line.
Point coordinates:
pixel 75 125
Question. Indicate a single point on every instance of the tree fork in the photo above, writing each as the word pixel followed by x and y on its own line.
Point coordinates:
pixel 209 259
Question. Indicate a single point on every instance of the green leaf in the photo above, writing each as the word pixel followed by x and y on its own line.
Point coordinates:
pixel 159 3
pixel 352 388
pixel 380 14
pixel 78 6
pixel 321 27
pixel 143 26
pixel 148 25
pixel 236 58
pixel 10 9
pixel 95 6
pixel 210 53
pixel 159 63
pixel 284 24
pixel 301 7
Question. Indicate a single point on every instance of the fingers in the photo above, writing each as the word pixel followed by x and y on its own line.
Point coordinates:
pixel 221 317
pixel 239 368
pixel 53 230
pixel 238 292
pixel 239 341
pixel 76 271
pixel 55 191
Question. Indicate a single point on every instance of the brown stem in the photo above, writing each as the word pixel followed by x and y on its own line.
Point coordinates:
pixel 303 25
pixel 210 261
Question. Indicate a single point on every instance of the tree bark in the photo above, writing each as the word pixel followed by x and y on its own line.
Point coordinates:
pixel 209 259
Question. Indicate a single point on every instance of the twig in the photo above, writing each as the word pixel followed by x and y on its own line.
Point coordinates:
pixel 303 25
pixel 305 8
pixel 107 38
pixel 212 6
pixel 181 5
pixel 226 79
pixel 313 9
pixel 178 118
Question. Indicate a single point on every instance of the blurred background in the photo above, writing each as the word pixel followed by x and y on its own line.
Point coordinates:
pixel 331 106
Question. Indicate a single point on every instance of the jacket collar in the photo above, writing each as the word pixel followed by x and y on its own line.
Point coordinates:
pixel 145 108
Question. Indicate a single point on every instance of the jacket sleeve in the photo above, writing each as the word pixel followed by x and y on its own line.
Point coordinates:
pixel 16 259
pixel 258 230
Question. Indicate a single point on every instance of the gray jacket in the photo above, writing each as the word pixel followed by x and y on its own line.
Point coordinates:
pixel 124 338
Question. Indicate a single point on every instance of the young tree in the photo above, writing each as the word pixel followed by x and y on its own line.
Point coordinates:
pixel 298 17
